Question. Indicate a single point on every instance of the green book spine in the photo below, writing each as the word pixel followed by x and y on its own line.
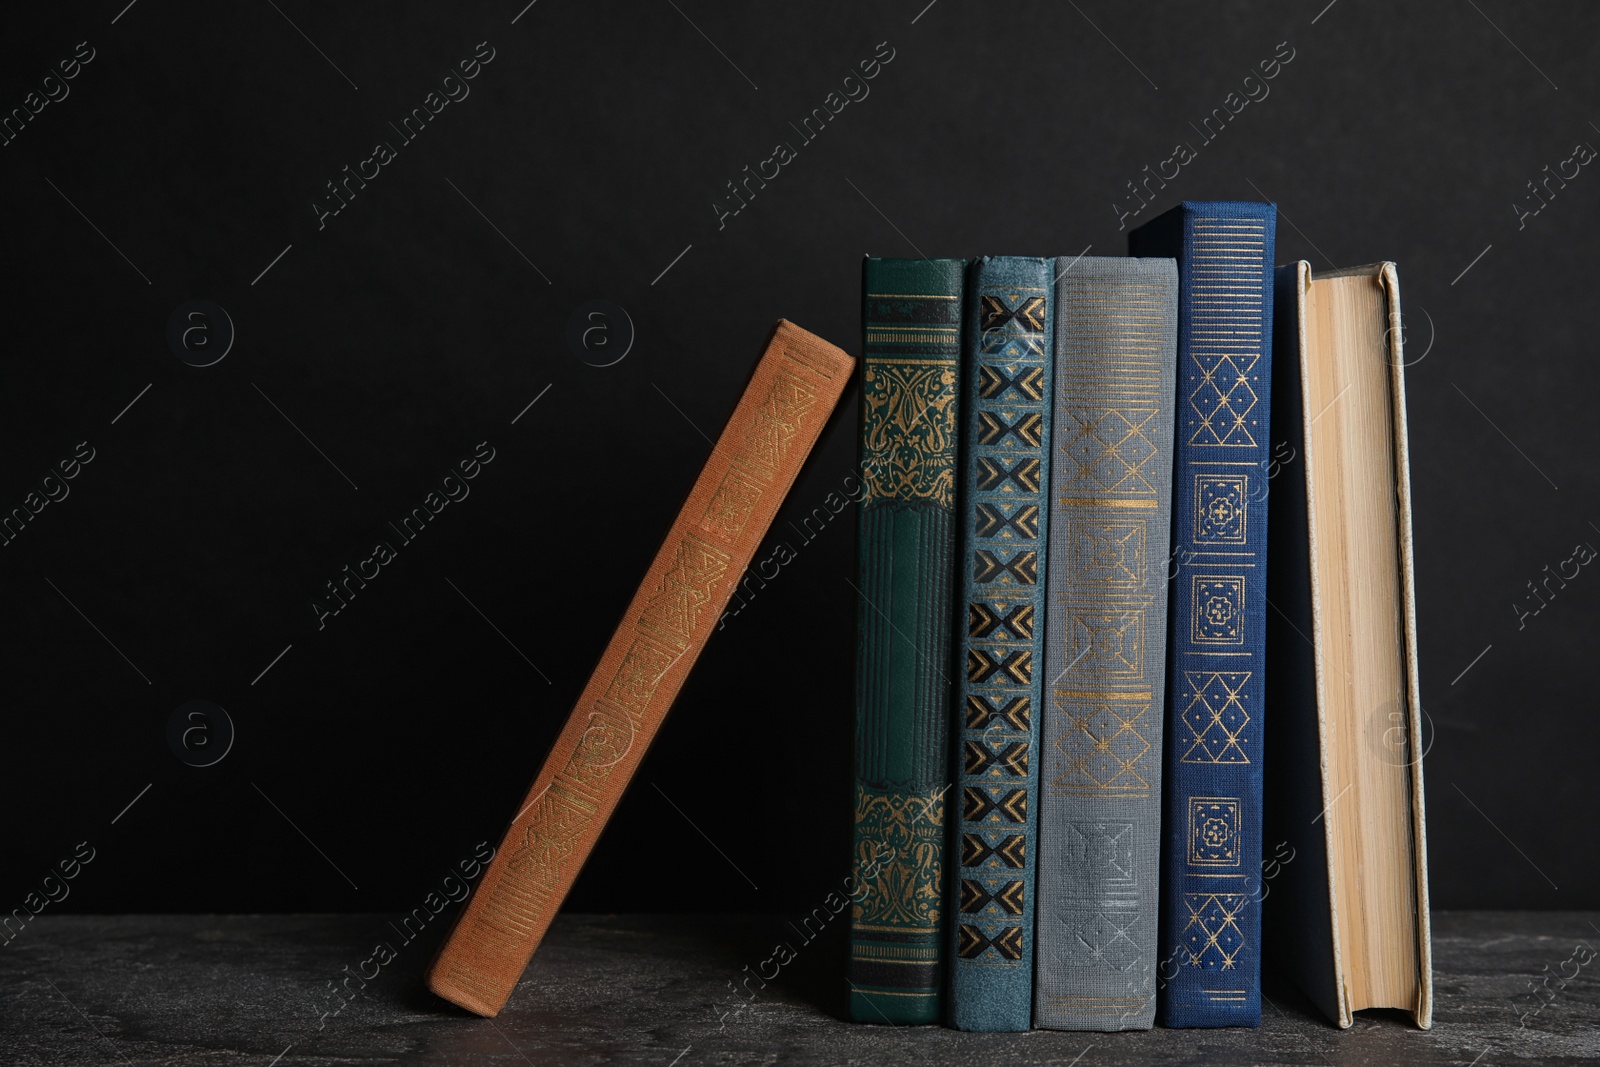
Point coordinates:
pixel 911 321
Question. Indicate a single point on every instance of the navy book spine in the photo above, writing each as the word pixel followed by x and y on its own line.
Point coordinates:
pixel 1211 833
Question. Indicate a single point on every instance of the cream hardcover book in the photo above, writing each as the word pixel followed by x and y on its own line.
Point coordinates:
pixel 1345 886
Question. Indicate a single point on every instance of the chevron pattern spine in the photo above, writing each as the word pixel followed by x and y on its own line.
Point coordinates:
pixel 1000 651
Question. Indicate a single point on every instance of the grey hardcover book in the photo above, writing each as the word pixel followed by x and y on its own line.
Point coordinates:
pixel 1105 658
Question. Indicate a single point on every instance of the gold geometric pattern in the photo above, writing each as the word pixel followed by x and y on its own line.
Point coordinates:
pixel 1001 895
pixel 558 822
pixel 993 520
pixel 1217 609
pixel 1214 831
pixel 1003 666
pixel 637 676
pixel 1215 717
pixel 1220 509
pixel 1110 643
pixel 1225 333
pixel 1005 803
pixel 1224 399
pixel 996 309
pixel 1003 509
pixel 1110 483
pixel 993 474
pixel 777 421
pixel 984 712
pixel 1109 450
pixel 674 607
pixel 991 566
pixel 608 738
pixel 994 382
pixel 1024 428
pixel 1212 938
pixel 1105 747
pixel 731 505
pixel 1000 620
pixel 1108 553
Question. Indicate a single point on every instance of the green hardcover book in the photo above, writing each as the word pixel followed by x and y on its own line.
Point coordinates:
pixel 911 320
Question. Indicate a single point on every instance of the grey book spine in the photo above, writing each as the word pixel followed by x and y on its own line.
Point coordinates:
pixel 1105 660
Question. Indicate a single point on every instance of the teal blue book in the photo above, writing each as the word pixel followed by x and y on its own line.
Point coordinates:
pixel 911 364
pixel 1004 498
pixel 1211 848
pixel 1105 664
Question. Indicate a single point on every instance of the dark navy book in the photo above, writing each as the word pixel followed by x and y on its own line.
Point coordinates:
pixel 1210 940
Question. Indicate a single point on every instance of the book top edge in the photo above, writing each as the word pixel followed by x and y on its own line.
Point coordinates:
pixel 796 336
pixel 1372 270
pixel 913 277
pixel 1122 266
pixel 1253 209
pixel 903 261
pixel 1006 261
pixel 1227 207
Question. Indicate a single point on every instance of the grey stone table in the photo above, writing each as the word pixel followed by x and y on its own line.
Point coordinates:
pixel 663 991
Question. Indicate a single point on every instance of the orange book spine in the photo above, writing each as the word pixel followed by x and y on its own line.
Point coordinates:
pixel 795 387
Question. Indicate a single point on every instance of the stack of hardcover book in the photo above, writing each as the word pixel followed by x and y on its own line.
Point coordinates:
pixel 1136 645
pixel 1136 682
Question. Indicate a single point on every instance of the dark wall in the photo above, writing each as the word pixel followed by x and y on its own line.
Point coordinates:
pixel 391 338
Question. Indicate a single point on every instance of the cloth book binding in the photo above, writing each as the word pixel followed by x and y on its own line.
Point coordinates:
pixel 911 317
pixel 1105 668
pixel 1004 503
pixel 796 385
pixel 1211 916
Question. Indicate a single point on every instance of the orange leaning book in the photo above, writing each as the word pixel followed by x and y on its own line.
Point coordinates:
pixel 795 387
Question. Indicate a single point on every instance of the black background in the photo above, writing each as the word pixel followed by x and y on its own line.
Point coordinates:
pixel 415 324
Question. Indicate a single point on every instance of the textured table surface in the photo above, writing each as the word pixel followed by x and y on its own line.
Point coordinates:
pixel 660 991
